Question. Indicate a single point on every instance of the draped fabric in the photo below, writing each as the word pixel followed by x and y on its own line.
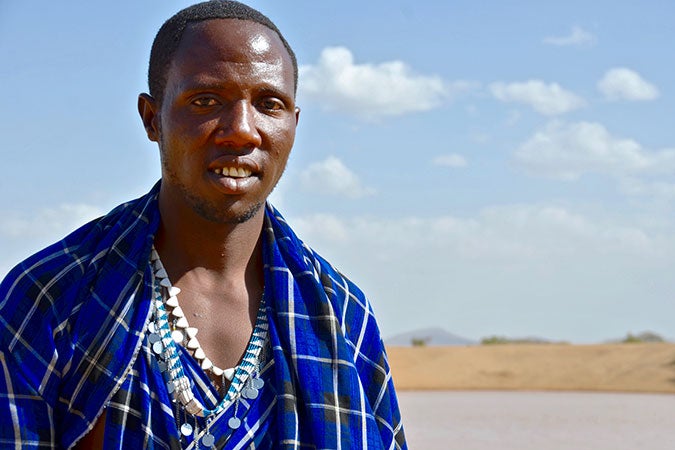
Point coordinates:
pixel 73 342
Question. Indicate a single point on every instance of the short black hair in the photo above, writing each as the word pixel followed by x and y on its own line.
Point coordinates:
pixel 170 34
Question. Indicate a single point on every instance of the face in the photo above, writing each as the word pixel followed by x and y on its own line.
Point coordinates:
pixel 226 124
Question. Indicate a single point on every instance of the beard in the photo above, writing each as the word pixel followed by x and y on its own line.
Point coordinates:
pixel 215 213
pixel 209 210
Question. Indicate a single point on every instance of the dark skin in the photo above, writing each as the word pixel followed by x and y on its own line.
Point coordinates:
pixel 229 103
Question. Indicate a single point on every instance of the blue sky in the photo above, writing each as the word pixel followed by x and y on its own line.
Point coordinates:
pixel 488 168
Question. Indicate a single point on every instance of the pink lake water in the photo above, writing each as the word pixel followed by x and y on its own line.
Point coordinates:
pixel 538 420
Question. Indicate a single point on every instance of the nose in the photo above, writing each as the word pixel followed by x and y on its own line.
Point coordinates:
pixel 237 127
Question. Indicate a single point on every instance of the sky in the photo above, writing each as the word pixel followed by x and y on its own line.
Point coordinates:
pixel 489 168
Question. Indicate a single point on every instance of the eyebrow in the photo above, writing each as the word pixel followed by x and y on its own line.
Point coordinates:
pixel 192 86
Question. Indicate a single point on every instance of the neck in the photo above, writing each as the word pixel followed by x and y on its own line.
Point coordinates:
pixel 228 251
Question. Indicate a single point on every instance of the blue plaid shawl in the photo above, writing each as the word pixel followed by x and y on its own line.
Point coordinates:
pixel 73 342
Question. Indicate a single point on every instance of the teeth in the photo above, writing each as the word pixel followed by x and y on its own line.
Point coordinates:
pixel 233 172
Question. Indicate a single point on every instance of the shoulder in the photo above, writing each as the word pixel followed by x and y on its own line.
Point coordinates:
pixel 334 281
pixel 304 260
pixel 37 302
pixel 351 305
pixel 37 278
pixel 43 298
pixel 336 295
pixel 46 286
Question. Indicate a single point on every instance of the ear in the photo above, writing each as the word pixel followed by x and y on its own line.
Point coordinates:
pixel 147 108
pixel 297 115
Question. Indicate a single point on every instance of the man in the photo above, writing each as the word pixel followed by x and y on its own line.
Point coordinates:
pixel 99 345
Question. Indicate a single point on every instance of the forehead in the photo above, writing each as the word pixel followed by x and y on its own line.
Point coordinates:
pixel 207 44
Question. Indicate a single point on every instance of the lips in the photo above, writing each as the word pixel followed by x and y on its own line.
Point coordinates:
pixel 234 166
pixel 234 175
pixel 233 172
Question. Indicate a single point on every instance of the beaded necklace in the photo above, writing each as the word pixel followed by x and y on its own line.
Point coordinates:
pixel 168 329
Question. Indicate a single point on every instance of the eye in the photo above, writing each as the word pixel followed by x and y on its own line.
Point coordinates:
pixel 271 104
pixel 205 102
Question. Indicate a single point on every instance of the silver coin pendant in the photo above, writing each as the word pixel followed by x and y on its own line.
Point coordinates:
pixel 208 440
pixel 250 393
pixel 158 348
pixel 186 429
pixel 234 423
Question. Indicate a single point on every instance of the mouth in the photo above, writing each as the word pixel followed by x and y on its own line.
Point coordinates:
pixel 232 172
pixel 233 177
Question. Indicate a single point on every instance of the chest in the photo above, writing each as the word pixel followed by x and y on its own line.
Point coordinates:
pixel 222 321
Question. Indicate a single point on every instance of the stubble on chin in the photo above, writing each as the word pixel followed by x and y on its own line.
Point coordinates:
pixel 212 211
pixel 214 214
pixel 206 209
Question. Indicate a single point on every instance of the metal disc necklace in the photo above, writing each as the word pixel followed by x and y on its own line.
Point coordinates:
pixel 169 328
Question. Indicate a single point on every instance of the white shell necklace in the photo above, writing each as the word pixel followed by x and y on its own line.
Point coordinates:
pixel 245 378
pixel 182 332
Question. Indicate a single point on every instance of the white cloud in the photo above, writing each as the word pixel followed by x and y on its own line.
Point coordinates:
pixel 49 223
pixel 372 90
pixel 324 225
pixel 656 189
pixel 513 118
pixel 452 160
pixel 548 266
pixel 517 232
pixel 625 84
pixel 480 138
pixel 279 194
pixel 23 234
pixel 548 99
pixel 566 151
pixel 332 177
pixel 577 36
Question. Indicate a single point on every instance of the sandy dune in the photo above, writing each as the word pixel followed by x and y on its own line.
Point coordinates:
pixel 607 367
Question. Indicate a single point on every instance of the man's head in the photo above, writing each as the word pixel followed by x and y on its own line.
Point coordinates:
pixel 169 36
pixel 225 118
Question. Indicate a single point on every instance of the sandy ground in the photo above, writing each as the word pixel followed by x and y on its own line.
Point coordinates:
pixel 607 367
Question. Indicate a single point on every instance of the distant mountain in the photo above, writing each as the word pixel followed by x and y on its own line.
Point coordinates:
pixel 428 337
pixel 489 340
